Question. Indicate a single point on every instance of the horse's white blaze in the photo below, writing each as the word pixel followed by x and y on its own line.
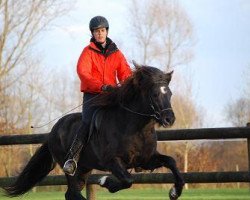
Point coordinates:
pixel 163 89
pixel 103 180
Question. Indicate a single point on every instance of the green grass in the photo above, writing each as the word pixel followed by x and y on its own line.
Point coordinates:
pixel 155 194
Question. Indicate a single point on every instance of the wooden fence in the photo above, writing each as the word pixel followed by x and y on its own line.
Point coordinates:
pixel 169 135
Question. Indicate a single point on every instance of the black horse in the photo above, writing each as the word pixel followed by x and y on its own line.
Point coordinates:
pixel 123 137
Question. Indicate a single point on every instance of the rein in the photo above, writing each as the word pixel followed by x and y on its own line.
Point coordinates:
pixel 138 113
pixel 156 114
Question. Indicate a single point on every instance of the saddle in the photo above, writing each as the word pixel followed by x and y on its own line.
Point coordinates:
pixel 95 122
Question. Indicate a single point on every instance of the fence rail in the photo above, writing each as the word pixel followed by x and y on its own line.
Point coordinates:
pixel 169 135
pixel 152 178
pixel 179 134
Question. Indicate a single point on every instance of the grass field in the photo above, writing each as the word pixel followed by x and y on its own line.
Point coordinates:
pixel 155 194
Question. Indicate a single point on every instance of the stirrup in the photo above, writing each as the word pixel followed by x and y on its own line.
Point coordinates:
pixel 70 170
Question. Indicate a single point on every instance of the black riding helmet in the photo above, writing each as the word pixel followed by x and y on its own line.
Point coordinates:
pixel 98 22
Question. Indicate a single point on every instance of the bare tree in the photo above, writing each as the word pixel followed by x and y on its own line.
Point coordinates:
pixel 238 112
pixel 163 31
pixel 21 24
pixel 247 82
pixel 22 79
pixel 187 116
pixel 61 97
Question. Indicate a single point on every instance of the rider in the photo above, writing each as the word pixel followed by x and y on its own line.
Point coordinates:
pixel 99 66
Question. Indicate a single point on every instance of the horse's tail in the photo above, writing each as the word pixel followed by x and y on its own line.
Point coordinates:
pixel 40 164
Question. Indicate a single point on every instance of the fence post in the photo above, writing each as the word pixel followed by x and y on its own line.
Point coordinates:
pixel 90 192
pixel 248 150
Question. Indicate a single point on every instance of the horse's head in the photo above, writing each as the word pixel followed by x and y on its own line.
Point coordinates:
pixel 154 86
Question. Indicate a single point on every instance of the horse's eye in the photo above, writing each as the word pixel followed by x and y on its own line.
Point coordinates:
pixel 163 89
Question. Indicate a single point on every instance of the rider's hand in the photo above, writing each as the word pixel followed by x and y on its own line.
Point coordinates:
pixel 107 88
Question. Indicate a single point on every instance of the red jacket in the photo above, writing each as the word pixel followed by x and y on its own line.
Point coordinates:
pixel 96 68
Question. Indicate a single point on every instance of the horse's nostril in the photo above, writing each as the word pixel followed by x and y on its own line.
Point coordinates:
pixel 170 120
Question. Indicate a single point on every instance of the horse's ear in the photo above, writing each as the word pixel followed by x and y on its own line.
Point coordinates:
pixel 169 76
pixel 137 66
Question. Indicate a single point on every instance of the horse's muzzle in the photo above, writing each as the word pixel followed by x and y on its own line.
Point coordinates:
pixel 167 118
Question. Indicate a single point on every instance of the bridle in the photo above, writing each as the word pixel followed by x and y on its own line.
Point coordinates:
pixel 156 114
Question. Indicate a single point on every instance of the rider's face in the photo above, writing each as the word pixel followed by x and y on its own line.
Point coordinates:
pixel 100 34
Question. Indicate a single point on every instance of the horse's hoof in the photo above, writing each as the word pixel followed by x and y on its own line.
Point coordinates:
pixel 173 194
pixel 102 180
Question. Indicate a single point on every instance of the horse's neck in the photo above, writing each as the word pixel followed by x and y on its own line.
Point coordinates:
pixel 140 105
pixel 138 109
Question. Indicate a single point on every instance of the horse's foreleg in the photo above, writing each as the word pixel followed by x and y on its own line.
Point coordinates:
pixel 159 160
pixel 75 185
pixel 74 189
pixel 122 179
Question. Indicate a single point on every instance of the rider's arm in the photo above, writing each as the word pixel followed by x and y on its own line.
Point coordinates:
pixel 123 70
pixel 84 68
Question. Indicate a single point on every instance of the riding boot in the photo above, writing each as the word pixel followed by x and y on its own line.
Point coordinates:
pixel 73 155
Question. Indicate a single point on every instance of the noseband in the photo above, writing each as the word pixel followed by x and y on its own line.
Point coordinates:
pixel 157 114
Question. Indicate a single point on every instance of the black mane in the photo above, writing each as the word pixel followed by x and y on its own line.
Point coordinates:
pixel 141 80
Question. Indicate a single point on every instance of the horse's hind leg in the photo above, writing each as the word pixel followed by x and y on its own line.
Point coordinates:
pixel 159 160
pixel 75 185
pixel 122 179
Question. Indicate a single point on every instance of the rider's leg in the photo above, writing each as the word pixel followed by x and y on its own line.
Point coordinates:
pixel 73 154
pixel 81 137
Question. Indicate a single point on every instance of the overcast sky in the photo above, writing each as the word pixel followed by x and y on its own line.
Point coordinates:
pixel 222 51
